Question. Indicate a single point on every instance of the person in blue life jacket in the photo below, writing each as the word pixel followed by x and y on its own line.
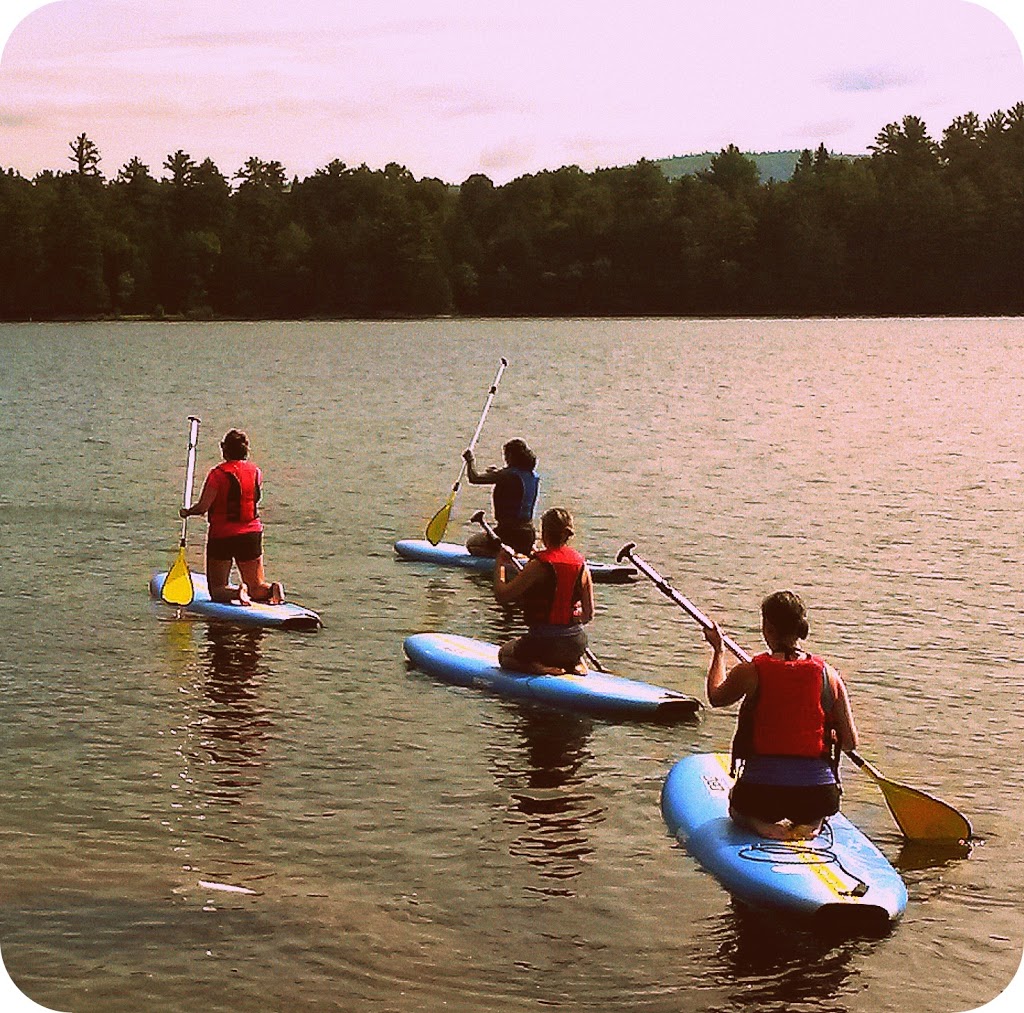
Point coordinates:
pixel 514 499
pixel 794 722
pixel 556 593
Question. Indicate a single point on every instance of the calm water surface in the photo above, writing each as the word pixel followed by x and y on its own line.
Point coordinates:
pixel 404 845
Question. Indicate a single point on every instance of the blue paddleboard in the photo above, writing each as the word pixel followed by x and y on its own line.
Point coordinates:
pixel 449 554
pixel 286 616
pixel 839 877
pixel 474 663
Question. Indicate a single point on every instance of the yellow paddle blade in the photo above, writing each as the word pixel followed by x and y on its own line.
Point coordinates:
pixel 920 816
pixel 177 589
pixel 923 817
pixel 439 522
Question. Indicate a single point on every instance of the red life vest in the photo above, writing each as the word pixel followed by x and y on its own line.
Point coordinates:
pixel 788 715
pixel 557 601
pixel 235 509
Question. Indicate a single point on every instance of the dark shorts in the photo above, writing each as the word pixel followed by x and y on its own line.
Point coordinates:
pixel 519 536
pixel 558 652
pixel 774 802
pixel 242 548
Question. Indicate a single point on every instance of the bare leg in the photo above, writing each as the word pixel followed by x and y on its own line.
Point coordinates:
pixel 480 544
pixel 773 831
pixel 507 659
pixel 804 831
pixel 260 589
pixel 218 577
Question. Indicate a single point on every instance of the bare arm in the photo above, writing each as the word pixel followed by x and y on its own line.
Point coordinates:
pixel 724 688
pixel 587 596
pixel 842 714
pixel 517 583
pixel 474 477
pixel 203 504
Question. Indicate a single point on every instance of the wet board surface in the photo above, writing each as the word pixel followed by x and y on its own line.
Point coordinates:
pixel 467 662
pixel 287 615
pixel 838 875
pixel 449 554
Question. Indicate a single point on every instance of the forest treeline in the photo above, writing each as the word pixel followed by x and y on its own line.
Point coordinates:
pixel 917 226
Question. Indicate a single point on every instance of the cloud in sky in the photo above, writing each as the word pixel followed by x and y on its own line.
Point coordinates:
pixel 452 87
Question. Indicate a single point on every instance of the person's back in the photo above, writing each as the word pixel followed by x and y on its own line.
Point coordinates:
pixel 516 488
pixel 794 721
pixel 556 594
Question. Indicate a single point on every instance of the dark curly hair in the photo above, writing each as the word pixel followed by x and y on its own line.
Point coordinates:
pixel 519 455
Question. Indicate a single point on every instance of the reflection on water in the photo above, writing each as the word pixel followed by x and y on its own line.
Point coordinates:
pixel 772 962
pixel 741 455
pixel 547 795
pixel 233 722
pixel 915 856
pixel 218 731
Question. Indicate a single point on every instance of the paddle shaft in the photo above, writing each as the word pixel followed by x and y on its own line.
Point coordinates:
pixel 190 472
pixel 479 518
pixel 480 424
pixel 670 592
pixel 665 588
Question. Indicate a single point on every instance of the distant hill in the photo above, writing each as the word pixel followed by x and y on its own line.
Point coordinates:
pixel 777 165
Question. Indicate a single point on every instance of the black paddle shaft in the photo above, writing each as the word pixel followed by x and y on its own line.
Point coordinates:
pixel 478 517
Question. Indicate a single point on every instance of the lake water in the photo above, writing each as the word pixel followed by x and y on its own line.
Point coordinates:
pixel 406 845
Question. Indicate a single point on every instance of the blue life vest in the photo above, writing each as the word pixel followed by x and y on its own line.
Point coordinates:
pixel 531 486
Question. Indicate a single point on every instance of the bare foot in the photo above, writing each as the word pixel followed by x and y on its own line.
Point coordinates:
pixel 536 668
pixel 803 831
pixel 276 595
pixel 243 595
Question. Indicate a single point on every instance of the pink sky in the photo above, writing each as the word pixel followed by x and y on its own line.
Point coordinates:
pixel 455 87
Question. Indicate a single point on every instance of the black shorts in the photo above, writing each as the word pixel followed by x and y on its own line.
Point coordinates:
pixel 557 652
pixel 241 548
pixel 774 802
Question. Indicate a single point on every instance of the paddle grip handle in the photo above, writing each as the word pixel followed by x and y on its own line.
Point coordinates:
pixel 626 552
pixel 480 425
pixel 487 408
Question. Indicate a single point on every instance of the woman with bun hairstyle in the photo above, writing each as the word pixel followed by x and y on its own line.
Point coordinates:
pixel 556 593
pixel 230 499
pixel 794 722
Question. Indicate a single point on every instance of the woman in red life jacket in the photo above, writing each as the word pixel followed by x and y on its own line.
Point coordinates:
pixel 556 594
pixel 794 722
pixel 230 498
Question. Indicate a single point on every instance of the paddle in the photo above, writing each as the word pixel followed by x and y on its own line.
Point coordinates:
pixel 920 816
pixel 178 589
pixel 478 518
pixel 439 522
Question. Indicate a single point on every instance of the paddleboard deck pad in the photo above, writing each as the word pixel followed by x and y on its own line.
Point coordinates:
pixel 463 661
pixel 449 554
pixel 286 616
pixel 838 877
